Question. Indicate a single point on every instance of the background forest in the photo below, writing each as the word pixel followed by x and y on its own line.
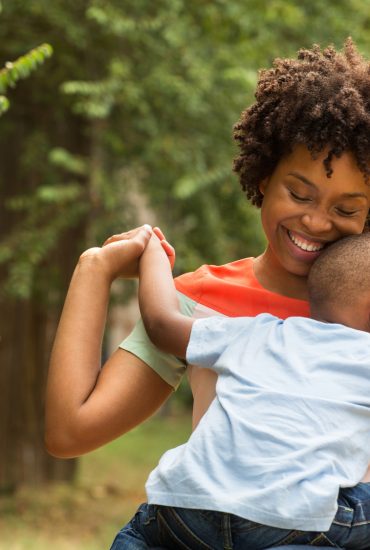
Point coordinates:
pixel 120 112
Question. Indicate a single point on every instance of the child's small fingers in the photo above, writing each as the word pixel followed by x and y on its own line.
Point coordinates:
pixel 168 248
pixel 170 251
pixel 159 233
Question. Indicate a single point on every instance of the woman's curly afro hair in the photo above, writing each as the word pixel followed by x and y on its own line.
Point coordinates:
pixel 321 100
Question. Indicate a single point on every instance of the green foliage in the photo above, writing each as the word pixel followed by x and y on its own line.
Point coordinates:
pixel 19 69
pixel 70 163
pixel 133 115
pixel 4 104
pixel 44 215
pixel 139 100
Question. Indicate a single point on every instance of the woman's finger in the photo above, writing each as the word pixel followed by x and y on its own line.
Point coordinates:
pixel 122 236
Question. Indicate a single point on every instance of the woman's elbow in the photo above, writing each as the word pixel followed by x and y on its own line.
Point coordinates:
pixel 56 449
pixel 59 444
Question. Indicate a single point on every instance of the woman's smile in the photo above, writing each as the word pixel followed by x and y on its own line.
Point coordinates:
pixel 304 243
pixel 303 248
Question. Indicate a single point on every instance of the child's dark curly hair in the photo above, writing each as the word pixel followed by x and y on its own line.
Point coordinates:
pixel 321 99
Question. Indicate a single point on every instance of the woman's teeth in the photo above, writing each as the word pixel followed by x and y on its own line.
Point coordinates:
pixel 305 245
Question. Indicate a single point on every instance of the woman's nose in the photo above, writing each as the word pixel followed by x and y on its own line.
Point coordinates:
pixel 317 222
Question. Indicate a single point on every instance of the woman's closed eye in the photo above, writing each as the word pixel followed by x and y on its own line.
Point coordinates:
pixel 346 213
pixel 299 198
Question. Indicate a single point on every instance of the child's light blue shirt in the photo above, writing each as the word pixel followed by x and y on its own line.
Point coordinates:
pixel 289 426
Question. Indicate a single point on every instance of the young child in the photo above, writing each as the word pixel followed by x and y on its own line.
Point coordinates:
pixel 290 422
pixel 304 154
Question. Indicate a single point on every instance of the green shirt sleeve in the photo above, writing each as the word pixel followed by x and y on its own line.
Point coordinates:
pixel 169 367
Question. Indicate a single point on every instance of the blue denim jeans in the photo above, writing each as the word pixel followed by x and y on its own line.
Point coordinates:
pixel 164 527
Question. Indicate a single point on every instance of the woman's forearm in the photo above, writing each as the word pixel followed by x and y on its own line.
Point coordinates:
pixel 86 405
pixel 76 356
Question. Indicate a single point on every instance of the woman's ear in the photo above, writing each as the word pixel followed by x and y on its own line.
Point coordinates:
pixel 262 186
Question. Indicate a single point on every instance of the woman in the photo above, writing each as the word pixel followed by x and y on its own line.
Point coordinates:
pixel 304 160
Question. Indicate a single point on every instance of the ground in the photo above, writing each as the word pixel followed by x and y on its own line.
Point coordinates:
pixel 108 489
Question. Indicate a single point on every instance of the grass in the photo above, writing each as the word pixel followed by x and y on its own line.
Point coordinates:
pixel 107 491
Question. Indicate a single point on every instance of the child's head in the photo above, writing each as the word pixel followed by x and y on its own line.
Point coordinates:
pixel 339 283
pixel 320 100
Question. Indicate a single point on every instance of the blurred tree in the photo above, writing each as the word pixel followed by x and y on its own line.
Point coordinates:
pixel 13 71
pixel 139 98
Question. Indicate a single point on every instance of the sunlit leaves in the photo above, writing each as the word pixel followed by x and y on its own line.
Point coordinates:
pixel 152 89
pixel 19 69
pixel 73 164
pixel 23 66
pixel 4 104
pixel 93 99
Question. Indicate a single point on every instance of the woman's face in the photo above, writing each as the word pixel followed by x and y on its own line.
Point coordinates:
pixel 303 210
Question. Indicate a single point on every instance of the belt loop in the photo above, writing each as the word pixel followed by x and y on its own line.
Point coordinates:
pixel 226 531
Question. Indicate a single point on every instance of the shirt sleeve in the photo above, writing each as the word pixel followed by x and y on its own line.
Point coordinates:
pixel 168 367
pixel 210 337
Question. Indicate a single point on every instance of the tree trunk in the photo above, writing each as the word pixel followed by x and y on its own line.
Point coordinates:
pixel 27 327
pixel 25 342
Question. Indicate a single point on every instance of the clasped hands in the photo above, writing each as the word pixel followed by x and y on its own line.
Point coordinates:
pixel 120 254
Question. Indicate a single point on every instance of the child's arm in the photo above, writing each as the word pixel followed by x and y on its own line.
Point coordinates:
pixel 86 405
pixel 167 328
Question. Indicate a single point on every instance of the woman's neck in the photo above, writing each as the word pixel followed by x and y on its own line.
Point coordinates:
pixel 272 276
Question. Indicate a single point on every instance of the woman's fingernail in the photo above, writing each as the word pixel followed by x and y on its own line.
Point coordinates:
pixel 147 227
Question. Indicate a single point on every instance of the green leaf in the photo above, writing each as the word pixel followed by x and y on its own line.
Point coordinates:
pixel 23 66
pixel 4 104
pixel 69 162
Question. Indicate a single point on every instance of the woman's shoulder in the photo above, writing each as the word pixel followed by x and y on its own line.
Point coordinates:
pixel 232 272
pixel 217 277
pixel 232 289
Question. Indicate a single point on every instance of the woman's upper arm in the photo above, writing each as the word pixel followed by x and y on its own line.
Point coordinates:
pixel 168 367
pixel 126 393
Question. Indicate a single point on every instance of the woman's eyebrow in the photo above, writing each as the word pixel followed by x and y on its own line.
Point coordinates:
pixel 302 178
pixel 311 184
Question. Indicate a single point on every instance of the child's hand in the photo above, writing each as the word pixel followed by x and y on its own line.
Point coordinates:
pixel 169 249
pixel 119 255
pixel 155 252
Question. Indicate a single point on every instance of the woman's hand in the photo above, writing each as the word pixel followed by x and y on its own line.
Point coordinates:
pixel 119 256
pixel 120 253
